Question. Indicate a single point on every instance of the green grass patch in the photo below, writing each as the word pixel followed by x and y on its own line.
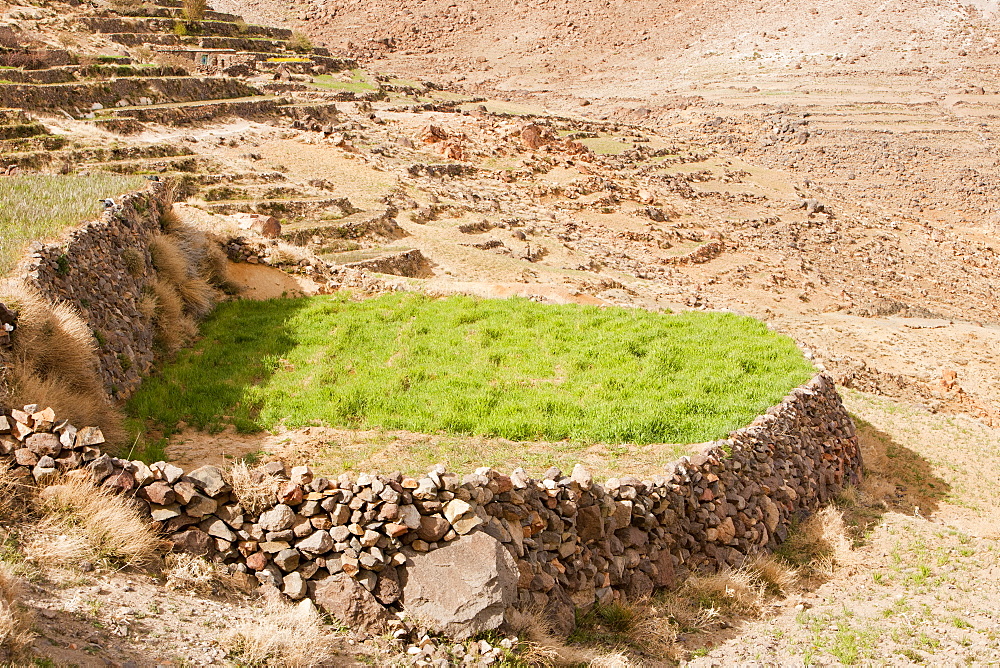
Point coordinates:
pixel 501 368
pixel 605 145
pixel 359 82
pixel 35 207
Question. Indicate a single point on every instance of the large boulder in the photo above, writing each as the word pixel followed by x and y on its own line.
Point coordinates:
pixel 350 603
pixel 462 588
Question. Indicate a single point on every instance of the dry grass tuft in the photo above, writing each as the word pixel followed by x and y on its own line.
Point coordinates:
pixel 170 221
pixel 282 635
pixel 187 572
pixel 15 622
pixel 168 260
pixel 174 328
pixel 737 592
pixel 777 577
pixel 15 495
pixel 54 362
pixel 819 544
pixel 542 647
pixel 81 521
pixel 254 489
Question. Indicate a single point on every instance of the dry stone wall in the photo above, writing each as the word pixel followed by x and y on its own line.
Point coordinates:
pixel 364 546
pixel 102 269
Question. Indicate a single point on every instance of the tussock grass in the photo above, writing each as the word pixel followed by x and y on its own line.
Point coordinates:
pixel 818 545
pixel 15 622
pixel 507 368
pixel 282 635
pixel 540 646
pixel 81 521
pixel 54 362
pixel 189 270
pixel 627 628
pixel 35 207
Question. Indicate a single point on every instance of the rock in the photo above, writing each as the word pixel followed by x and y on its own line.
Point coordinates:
pixel 44 444
pixel 409 516
pixel 287 560
pixel 319 542
pixel 264 225
pixel 159 493
pixel 590 523
pixel 194 541
pixel 351 604
pixel 200 505
pixel 534 136
pixel 665 576
pixel 582 476
pixel 463 588
pixel 294 586
pixel 433 528
pixel 215 527
pixel 387 589
pixel 165 512
pixel 279 518
pixel 209 480
pixel 91 436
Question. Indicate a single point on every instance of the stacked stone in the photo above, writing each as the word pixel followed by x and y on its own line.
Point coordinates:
pixel 90 270
pixel 359 543
pixel 40 447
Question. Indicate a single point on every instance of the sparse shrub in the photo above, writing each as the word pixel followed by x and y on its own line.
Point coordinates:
pixel 194 10
pixel 241 25
pixel 82 521
pixel 300 43
pixel 180 29
pixel 282 635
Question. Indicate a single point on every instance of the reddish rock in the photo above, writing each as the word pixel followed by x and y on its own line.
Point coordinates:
pixel 159 493
pixel 194 541
pixel 432 528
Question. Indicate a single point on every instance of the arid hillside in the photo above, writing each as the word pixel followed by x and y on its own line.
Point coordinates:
pixel 592 48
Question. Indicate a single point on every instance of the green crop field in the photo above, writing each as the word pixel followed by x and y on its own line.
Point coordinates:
pixel 507 368
pixel 34 207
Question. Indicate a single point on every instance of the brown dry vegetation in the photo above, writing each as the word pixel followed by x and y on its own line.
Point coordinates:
pixel 54 362
pixel 282 635
pixel 79 521
pixel 15 622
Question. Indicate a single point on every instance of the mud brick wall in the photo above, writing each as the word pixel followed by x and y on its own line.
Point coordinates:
pixel 574 541
pixel 90 270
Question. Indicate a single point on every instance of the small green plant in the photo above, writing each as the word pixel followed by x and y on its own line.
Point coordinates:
pixel 125 361
pixel 300 43
pixel 62 265
pixel 180 29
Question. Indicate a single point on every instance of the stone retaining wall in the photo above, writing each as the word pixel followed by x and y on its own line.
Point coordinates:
pixel 102 269
pixel 457 551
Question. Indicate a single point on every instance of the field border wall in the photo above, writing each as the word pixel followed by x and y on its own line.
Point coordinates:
pixel 358 544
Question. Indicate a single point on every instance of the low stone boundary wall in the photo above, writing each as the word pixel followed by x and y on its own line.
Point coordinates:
pixel 458 551
pixel 102 269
